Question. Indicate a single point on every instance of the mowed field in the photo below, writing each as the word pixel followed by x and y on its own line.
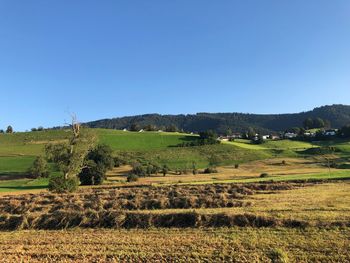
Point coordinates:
pixel 279 222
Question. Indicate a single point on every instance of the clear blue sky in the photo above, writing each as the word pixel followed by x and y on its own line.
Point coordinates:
pixel 104 59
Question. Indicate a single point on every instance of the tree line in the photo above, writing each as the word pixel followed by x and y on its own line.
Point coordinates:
pixel 236 122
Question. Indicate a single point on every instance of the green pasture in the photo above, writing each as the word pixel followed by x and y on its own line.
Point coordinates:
pixel 333 175
pixel 202 156
pixel 141 141
pixel 23 184
pixel 18 150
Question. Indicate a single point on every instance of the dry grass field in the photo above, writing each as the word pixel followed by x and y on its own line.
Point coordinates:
pixel 177 245
pixel 246 222
pixel 277 167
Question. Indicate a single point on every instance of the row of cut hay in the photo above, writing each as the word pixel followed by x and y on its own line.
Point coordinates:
pixel 63 219
pixel 143 198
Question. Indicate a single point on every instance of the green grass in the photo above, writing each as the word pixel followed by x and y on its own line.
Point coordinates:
pixel 29 143
pixel 334 175
pixel 16 164
pixel 18 150
pixel 23 184
pixel 137 141
pixel 276 145
pixel 202 156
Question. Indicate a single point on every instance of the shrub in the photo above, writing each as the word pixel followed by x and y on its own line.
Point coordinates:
pixel 132 178
pixel 152 169
pixel 39 168
pixel 138 169
pixel 118 162
pixel 92 174
pixel 59 184
pixel 263 175
pixel 102 156
pixel 210 170
pixel 165 169
pixel 97 162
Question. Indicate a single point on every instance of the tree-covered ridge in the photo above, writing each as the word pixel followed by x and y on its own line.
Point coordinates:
pixel 336 115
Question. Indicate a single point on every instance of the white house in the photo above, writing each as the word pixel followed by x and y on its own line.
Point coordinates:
pixel 330 133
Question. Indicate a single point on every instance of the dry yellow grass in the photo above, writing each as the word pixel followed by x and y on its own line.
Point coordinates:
pixel 180 245
pixel 314 203
pixel 293 166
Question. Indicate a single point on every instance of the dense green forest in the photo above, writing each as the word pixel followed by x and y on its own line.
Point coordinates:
pixel 335 115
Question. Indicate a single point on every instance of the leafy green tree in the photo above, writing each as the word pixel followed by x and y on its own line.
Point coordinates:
pixel 150 127
pixel 259 140
pixel 345 131
pixel 132 178
pixel 308 123
pixel 171 128
pixel 134 127
pixel 59 184
pixel 69 156
pixel 251 133
pixel 301 131
pixel 97 162
pixel 138 169
pixel 319 123
pixel 102 155
pixel 9 129
pixel 208 137
pixel 39 168
pixel 92 174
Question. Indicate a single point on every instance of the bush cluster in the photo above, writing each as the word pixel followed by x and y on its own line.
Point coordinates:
pixel 210 170
pixel 96 164
pixel 39 168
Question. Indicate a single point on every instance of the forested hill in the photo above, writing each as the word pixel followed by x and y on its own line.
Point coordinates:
pixel 337 115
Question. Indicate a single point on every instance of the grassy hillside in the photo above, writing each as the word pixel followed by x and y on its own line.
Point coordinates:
pixel 137 141
pixel 17 151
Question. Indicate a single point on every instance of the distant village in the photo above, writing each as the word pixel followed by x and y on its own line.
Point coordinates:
pixel 279 136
